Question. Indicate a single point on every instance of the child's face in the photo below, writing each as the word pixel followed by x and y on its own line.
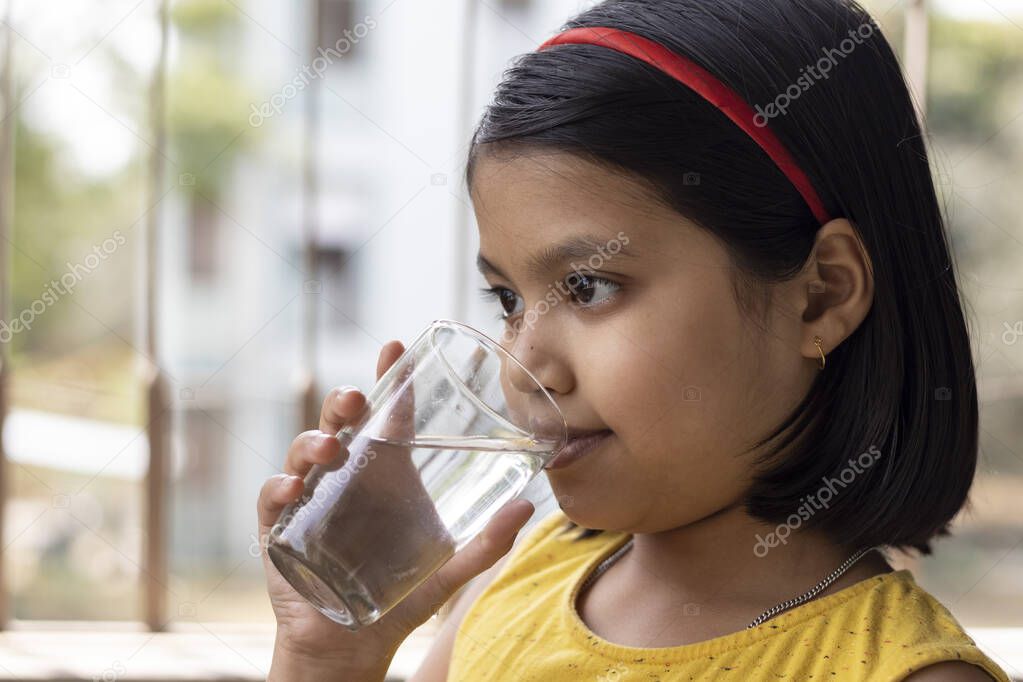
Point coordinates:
pixel 661 354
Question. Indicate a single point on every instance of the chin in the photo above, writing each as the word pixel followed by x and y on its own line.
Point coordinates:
pixel 582 515
pixel 587 505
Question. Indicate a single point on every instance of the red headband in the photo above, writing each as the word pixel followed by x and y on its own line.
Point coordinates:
pixel 707 86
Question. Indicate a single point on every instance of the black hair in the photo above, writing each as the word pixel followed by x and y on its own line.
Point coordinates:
pixel 903 382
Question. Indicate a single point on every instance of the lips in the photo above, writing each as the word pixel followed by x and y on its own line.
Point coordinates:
pixel 579 443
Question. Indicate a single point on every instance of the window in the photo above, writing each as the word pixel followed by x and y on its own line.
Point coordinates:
pixel 340 29
pixel 339 287
pixel 203 246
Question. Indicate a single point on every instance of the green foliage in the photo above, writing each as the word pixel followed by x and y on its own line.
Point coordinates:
pixel 208 108
pixel 974 67
pixel 207 122
pixel 59 215
pixel 203 16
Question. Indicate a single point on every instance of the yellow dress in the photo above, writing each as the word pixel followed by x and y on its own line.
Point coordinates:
pixel 524 627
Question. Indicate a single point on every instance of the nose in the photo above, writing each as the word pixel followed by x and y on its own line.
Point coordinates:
pixel 529 407
pixel 533 350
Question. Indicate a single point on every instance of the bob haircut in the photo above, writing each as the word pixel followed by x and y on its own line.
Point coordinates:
pixel 903 382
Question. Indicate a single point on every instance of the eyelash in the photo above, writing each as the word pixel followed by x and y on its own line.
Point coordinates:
pixel 494 294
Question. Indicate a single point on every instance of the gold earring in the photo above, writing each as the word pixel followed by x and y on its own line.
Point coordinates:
pixel 818 340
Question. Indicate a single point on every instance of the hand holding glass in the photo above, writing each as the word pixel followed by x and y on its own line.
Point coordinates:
pixel 452 431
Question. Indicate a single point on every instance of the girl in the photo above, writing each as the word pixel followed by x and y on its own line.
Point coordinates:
pixel 713 235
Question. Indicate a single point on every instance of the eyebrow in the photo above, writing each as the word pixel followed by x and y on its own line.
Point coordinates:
pixel 550 258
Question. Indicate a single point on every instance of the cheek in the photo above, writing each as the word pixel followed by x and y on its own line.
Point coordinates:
pixel 675 389
pixel 679 371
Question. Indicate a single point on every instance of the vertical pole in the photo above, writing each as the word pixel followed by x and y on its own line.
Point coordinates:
pixel 154 561
pixel 6 275
pixel 308 395
pixel 916 44
pixel 464 122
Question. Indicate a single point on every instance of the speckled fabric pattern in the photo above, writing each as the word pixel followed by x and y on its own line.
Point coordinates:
pixel 524 627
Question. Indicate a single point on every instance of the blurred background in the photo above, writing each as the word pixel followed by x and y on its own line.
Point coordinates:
pixel 213 211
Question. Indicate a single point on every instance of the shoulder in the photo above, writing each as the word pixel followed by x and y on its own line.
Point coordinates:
pixel 920 639
pixel 950 671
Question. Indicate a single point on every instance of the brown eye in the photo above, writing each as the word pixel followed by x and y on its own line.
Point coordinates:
pixel 585 288
pixel 505 297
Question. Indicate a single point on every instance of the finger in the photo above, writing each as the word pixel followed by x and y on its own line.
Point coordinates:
pixel 342 405
pixel 277 492
pixel 309 448
pixel 389 352
pixel 493 542
pixel 401 420
pixel 400 424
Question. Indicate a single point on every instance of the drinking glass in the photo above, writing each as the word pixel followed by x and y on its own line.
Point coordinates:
pixel 452 431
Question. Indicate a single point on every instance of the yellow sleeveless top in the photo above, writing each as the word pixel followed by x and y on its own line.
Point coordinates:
pixel 524 627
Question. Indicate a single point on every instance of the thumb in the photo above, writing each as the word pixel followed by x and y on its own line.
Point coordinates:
pixel 482 552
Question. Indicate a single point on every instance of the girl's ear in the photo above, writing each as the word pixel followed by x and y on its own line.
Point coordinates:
pixel 837 286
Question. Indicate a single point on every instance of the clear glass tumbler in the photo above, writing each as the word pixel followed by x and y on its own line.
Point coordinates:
pixel 452 431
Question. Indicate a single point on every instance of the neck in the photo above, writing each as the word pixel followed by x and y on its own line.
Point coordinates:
pixel 719 559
